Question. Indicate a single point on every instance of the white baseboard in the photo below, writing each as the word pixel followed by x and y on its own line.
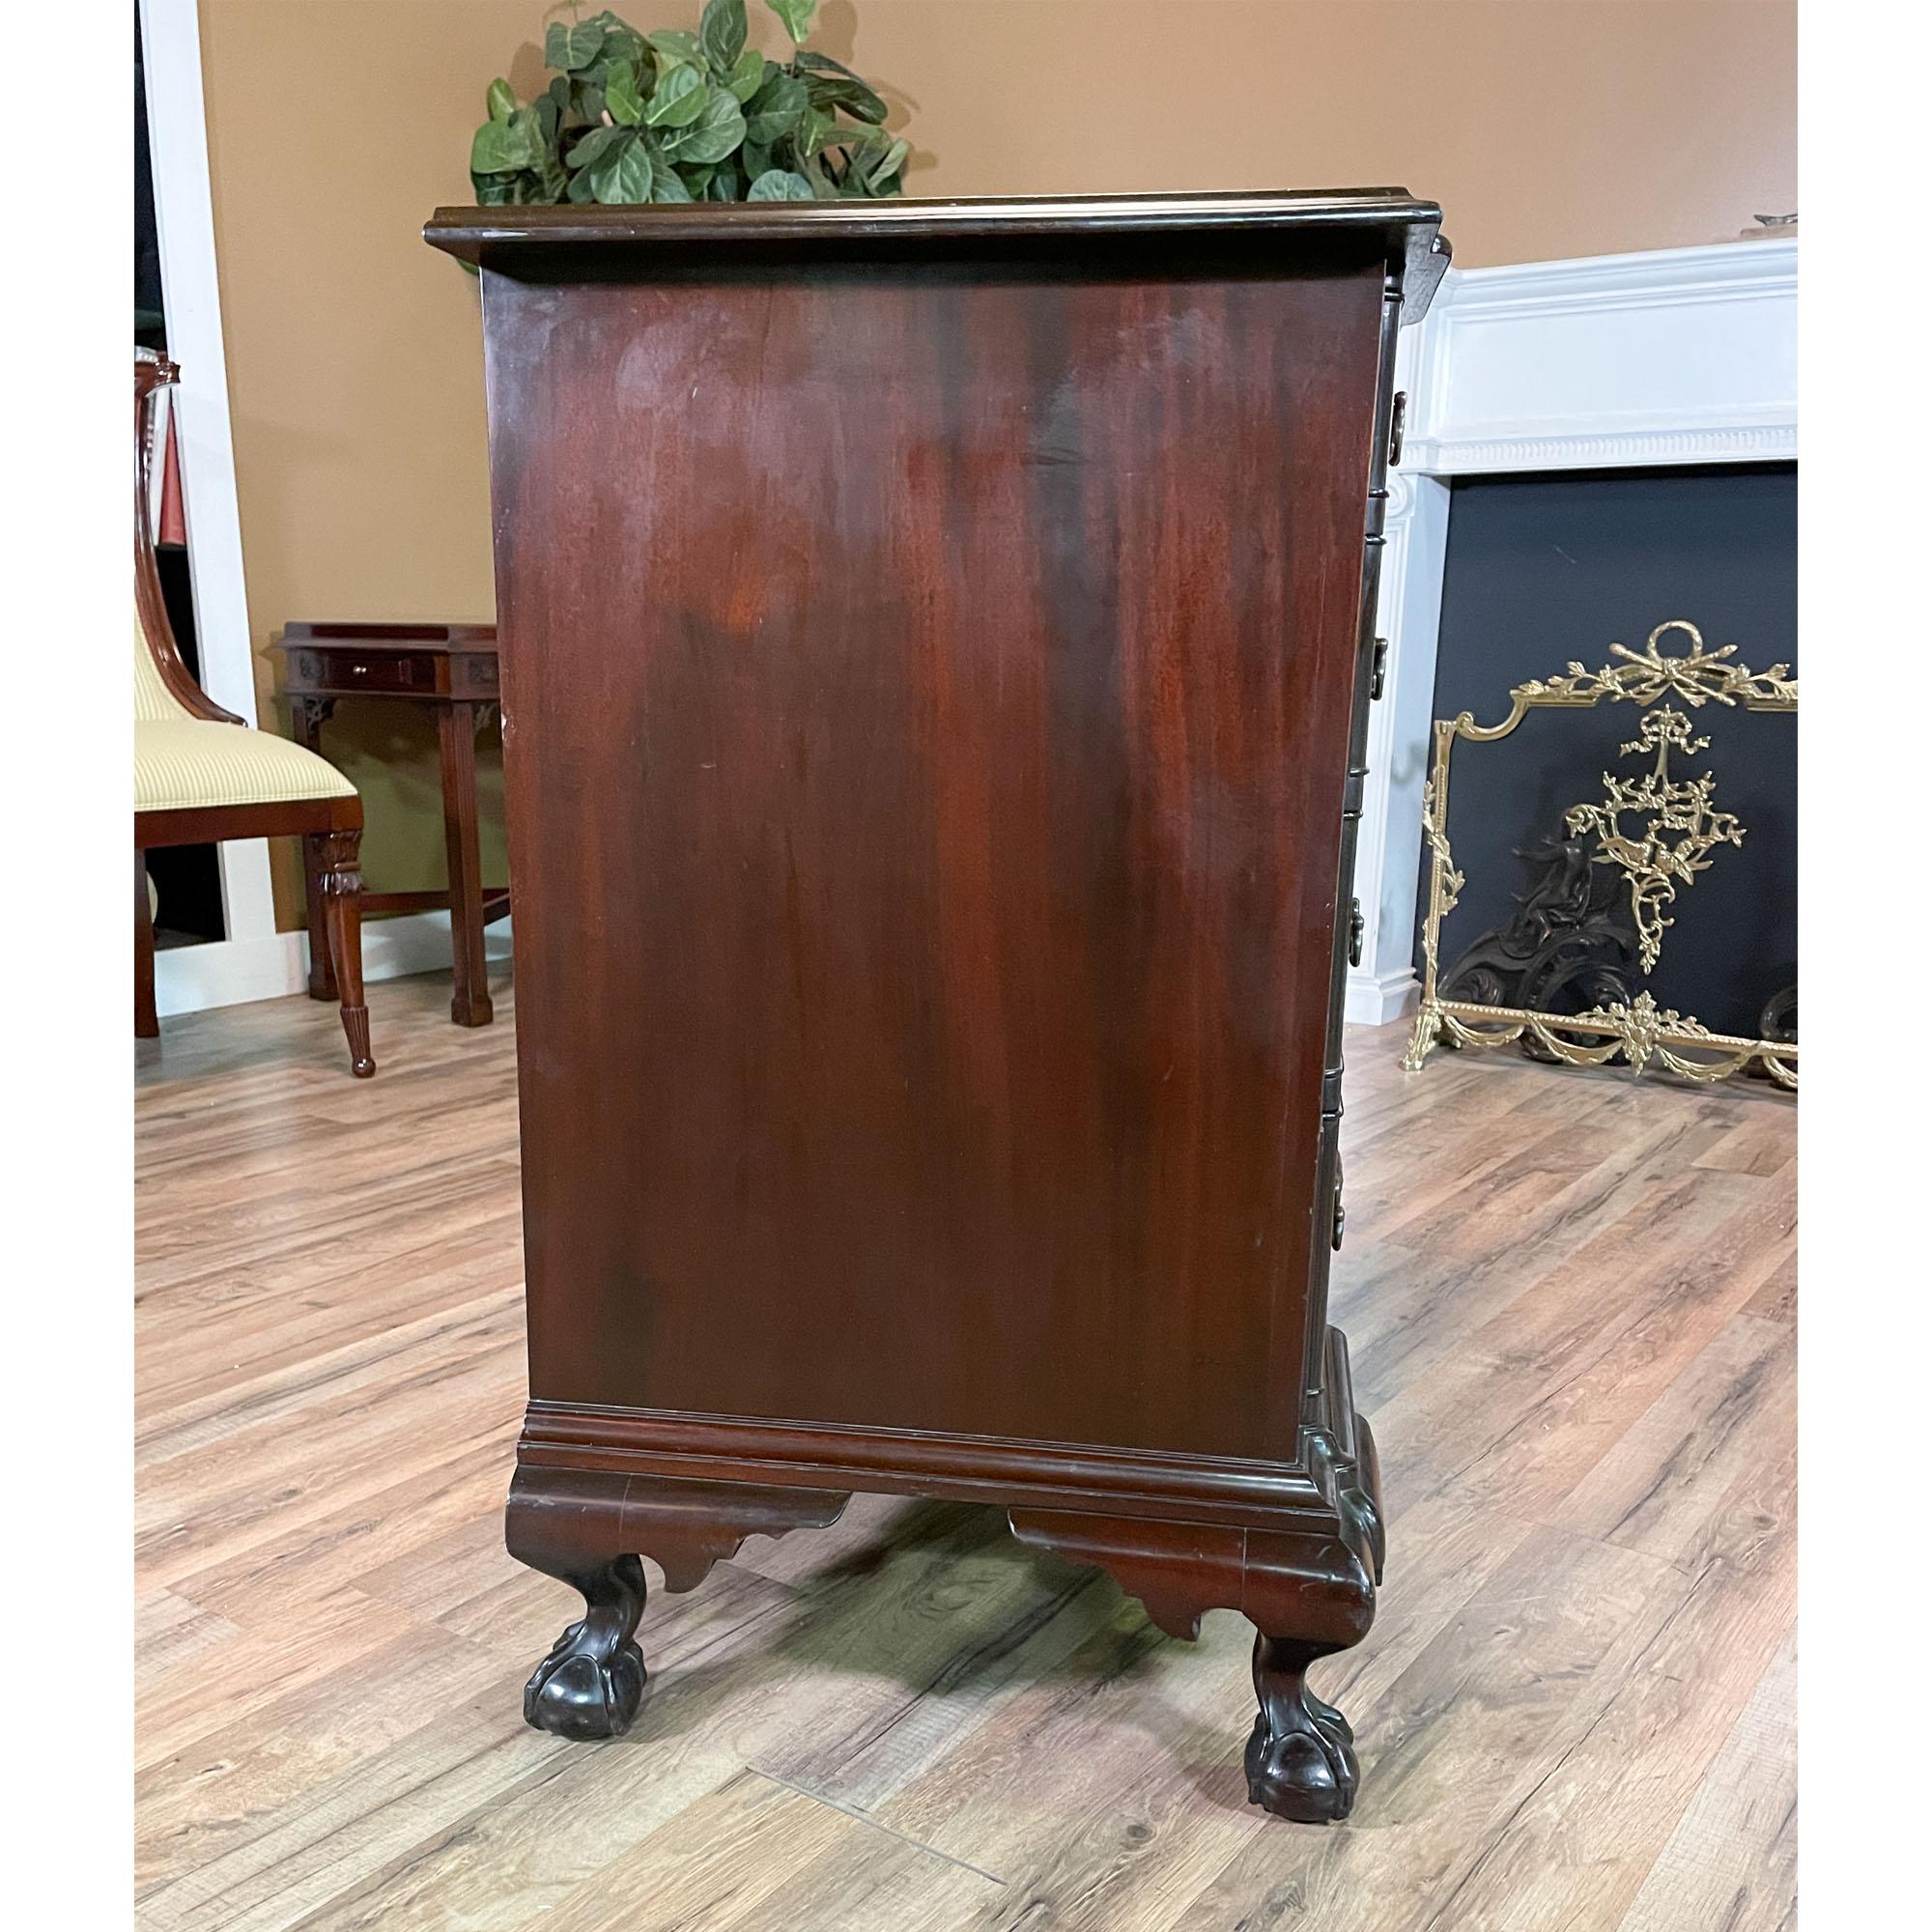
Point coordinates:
pixel 229 971
pixel 1374 999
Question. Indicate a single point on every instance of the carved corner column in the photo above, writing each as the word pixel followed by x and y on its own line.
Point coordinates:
pixel 1388 850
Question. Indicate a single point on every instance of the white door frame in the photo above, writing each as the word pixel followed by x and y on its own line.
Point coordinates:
pixel 191 296
pixel 254 961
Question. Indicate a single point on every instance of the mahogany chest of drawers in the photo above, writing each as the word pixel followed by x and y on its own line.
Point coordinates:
pixel 936 642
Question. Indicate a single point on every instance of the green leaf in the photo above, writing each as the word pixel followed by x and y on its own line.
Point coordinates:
pixel 624 43
pixel 580 188
pixel 863 146
pixel 724 186
pixel 502 100
pixel 780 184
pixel 676 48
pixel 815 128
pixel 679 99
pixel 592 145
pixel 718 130
pixel 571 49
pixel 746 75
pixel 754 158
pixel 720 32
pixel 829 90
pixel 833 84
pixel 888 168
pixel 775 108
pixel 624 174
pixel 666 186
pixel 620 93
pixel 502 148
pixel 797 16
pixel 491 190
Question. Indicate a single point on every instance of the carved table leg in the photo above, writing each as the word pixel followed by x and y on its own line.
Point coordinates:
pixel 321 968
pixel 307 715
pixel 1300 1760
pixel 337 858
pixel 456 738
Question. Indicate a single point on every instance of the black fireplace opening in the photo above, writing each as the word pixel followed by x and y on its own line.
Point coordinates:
pixel 1550 569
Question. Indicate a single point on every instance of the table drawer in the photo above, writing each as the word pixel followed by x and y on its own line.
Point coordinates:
pixel 345 671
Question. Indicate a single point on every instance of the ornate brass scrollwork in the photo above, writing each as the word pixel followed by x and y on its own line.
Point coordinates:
pixel 1660 830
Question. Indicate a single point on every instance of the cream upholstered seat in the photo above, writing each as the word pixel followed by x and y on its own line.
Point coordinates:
pixel 183 762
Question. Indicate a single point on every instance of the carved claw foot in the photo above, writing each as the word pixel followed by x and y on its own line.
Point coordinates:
pixel 591 1683
pixel 1300 1758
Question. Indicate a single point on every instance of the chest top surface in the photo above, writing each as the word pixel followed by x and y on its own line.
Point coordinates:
pixel 537 243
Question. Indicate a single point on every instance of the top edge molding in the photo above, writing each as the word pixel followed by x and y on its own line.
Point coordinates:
pixel 496 237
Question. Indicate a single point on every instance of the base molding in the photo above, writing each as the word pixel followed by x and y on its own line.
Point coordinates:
pixel 1294 1546
pixel 1310 1583
pixel 666 1446
pixel 1375 999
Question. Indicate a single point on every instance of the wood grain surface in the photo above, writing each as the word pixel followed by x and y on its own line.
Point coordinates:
pixel 1569 1299
pixel 929 768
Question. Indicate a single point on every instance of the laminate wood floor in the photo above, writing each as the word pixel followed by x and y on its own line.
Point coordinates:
pixel 1571 1304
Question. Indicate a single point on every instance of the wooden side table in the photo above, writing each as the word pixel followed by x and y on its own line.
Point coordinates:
pixel 452 670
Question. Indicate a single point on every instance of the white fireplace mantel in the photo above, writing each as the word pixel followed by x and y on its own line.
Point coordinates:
pixel 1679 355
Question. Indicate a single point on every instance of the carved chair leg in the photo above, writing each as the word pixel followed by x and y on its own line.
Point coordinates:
pixel 340 880
pixel 146 1023
pixel 1300 1758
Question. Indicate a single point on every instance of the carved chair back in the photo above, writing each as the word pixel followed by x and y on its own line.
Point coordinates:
pixel 164 685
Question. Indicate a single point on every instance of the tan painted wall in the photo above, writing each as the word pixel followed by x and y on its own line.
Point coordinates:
pixel 1546 127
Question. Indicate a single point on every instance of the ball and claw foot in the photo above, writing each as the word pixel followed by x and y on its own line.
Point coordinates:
pixel 592 1680
pixel 1300 1758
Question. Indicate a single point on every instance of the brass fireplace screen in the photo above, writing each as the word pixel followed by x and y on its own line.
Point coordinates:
pixel 1651 836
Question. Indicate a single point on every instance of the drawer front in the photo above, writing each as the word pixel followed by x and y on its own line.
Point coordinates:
pixel 410 672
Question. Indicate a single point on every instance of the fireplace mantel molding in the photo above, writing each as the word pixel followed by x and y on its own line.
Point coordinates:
pixel 1674 356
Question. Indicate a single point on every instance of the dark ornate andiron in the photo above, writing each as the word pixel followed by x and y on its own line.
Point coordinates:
pixel 1569 944
pixel 1597 908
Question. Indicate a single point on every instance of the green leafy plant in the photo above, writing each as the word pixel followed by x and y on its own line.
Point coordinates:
pixel 676 116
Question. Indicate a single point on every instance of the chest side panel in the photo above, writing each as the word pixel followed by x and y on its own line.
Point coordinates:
pixel 927 705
